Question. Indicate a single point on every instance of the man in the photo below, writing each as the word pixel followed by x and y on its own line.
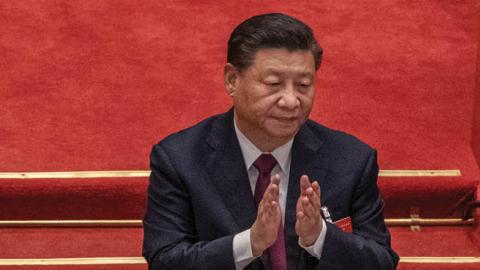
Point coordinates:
pixel 244 190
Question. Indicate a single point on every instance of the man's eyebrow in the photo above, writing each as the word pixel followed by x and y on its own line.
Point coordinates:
pixel 272 71
pixel 307 74
pixel 280 72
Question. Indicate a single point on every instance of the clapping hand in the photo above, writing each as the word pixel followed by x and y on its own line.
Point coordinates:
pixel 309 221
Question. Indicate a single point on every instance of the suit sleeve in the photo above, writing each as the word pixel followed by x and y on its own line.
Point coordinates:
pixel 170 238
pixel 368 247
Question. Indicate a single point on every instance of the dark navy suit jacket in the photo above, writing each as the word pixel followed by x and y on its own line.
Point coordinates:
pixel 199 197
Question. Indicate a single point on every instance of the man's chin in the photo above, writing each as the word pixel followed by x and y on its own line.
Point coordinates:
pixel 283 133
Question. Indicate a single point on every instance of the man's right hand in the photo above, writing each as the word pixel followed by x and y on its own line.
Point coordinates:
pixel 264 231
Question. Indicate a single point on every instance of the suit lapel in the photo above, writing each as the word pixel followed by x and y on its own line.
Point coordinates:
pixel 305 160
pixel 228 172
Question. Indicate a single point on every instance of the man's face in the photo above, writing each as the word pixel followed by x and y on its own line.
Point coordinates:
pixel 273 97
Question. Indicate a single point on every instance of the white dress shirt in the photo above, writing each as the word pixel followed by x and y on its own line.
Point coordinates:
pixel 242 248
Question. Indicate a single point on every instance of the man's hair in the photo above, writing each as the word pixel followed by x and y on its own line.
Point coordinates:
pixel 269 31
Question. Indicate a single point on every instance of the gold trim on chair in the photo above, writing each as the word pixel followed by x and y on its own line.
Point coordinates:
pixel 74 261
pixel 440 260
pixel 75 174
pixel 141 260
pixel 419 173
pixel 429 221
pixel 72 223
pixel 138 222
pixel 143 173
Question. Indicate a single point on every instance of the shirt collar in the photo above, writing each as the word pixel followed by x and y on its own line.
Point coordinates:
pixel 251 152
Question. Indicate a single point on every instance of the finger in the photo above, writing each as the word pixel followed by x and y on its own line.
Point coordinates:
pixel 316 188
pixel 275 179
pixel 270 209
pixel 271 193
pixel 314 198
pixel 299 206
pixel 274 209
pixel 275 193
pixel 273 212
pixel 308 209
pixel 274 190
pixel 262 208
pixel 264 202
pixel 304 184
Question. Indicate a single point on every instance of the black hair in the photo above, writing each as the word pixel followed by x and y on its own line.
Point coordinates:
pixel 268 31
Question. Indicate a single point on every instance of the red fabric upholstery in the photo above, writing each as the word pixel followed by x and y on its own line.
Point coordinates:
pixel 124 198
pixel 104 198
pixel 435 197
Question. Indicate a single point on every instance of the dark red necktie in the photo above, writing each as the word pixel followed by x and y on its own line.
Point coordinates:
pixel 277 254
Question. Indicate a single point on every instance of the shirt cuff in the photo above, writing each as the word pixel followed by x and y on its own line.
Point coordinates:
pixel 242 250
pixel 316 249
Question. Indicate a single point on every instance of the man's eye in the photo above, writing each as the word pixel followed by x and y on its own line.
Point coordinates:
pixel 273 83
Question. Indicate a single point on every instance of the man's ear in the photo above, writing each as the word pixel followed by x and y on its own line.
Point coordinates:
pixel 231 77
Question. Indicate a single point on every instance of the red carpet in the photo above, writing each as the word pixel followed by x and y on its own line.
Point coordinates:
pixel 92 85
pixel 58 242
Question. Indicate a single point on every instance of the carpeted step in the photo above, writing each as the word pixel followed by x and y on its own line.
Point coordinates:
pixel 427 197
pixel 99 198
pixel 444 241
pixel 444 248
pixel 79 243
pixel 75 243
pixel 125 198
pixel 70 242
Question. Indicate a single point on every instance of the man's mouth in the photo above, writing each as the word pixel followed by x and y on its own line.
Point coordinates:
pixel 286 119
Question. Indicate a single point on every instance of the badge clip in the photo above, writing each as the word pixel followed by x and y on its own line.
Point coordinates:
pixel 326 214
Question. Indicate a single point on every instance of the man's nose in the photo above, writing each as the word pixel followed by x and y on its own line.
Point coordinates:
pixel 289 98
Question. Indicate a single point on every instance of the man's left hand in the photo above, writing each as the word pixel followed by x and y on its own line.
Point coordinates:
pixel 309 221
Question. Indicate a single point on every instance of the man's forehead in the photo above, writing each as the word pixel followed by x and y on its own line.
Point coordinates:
pixel 278 60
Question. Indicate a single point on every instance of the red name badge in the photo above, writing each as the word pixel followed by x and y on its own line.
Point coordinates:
pixel 345 224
